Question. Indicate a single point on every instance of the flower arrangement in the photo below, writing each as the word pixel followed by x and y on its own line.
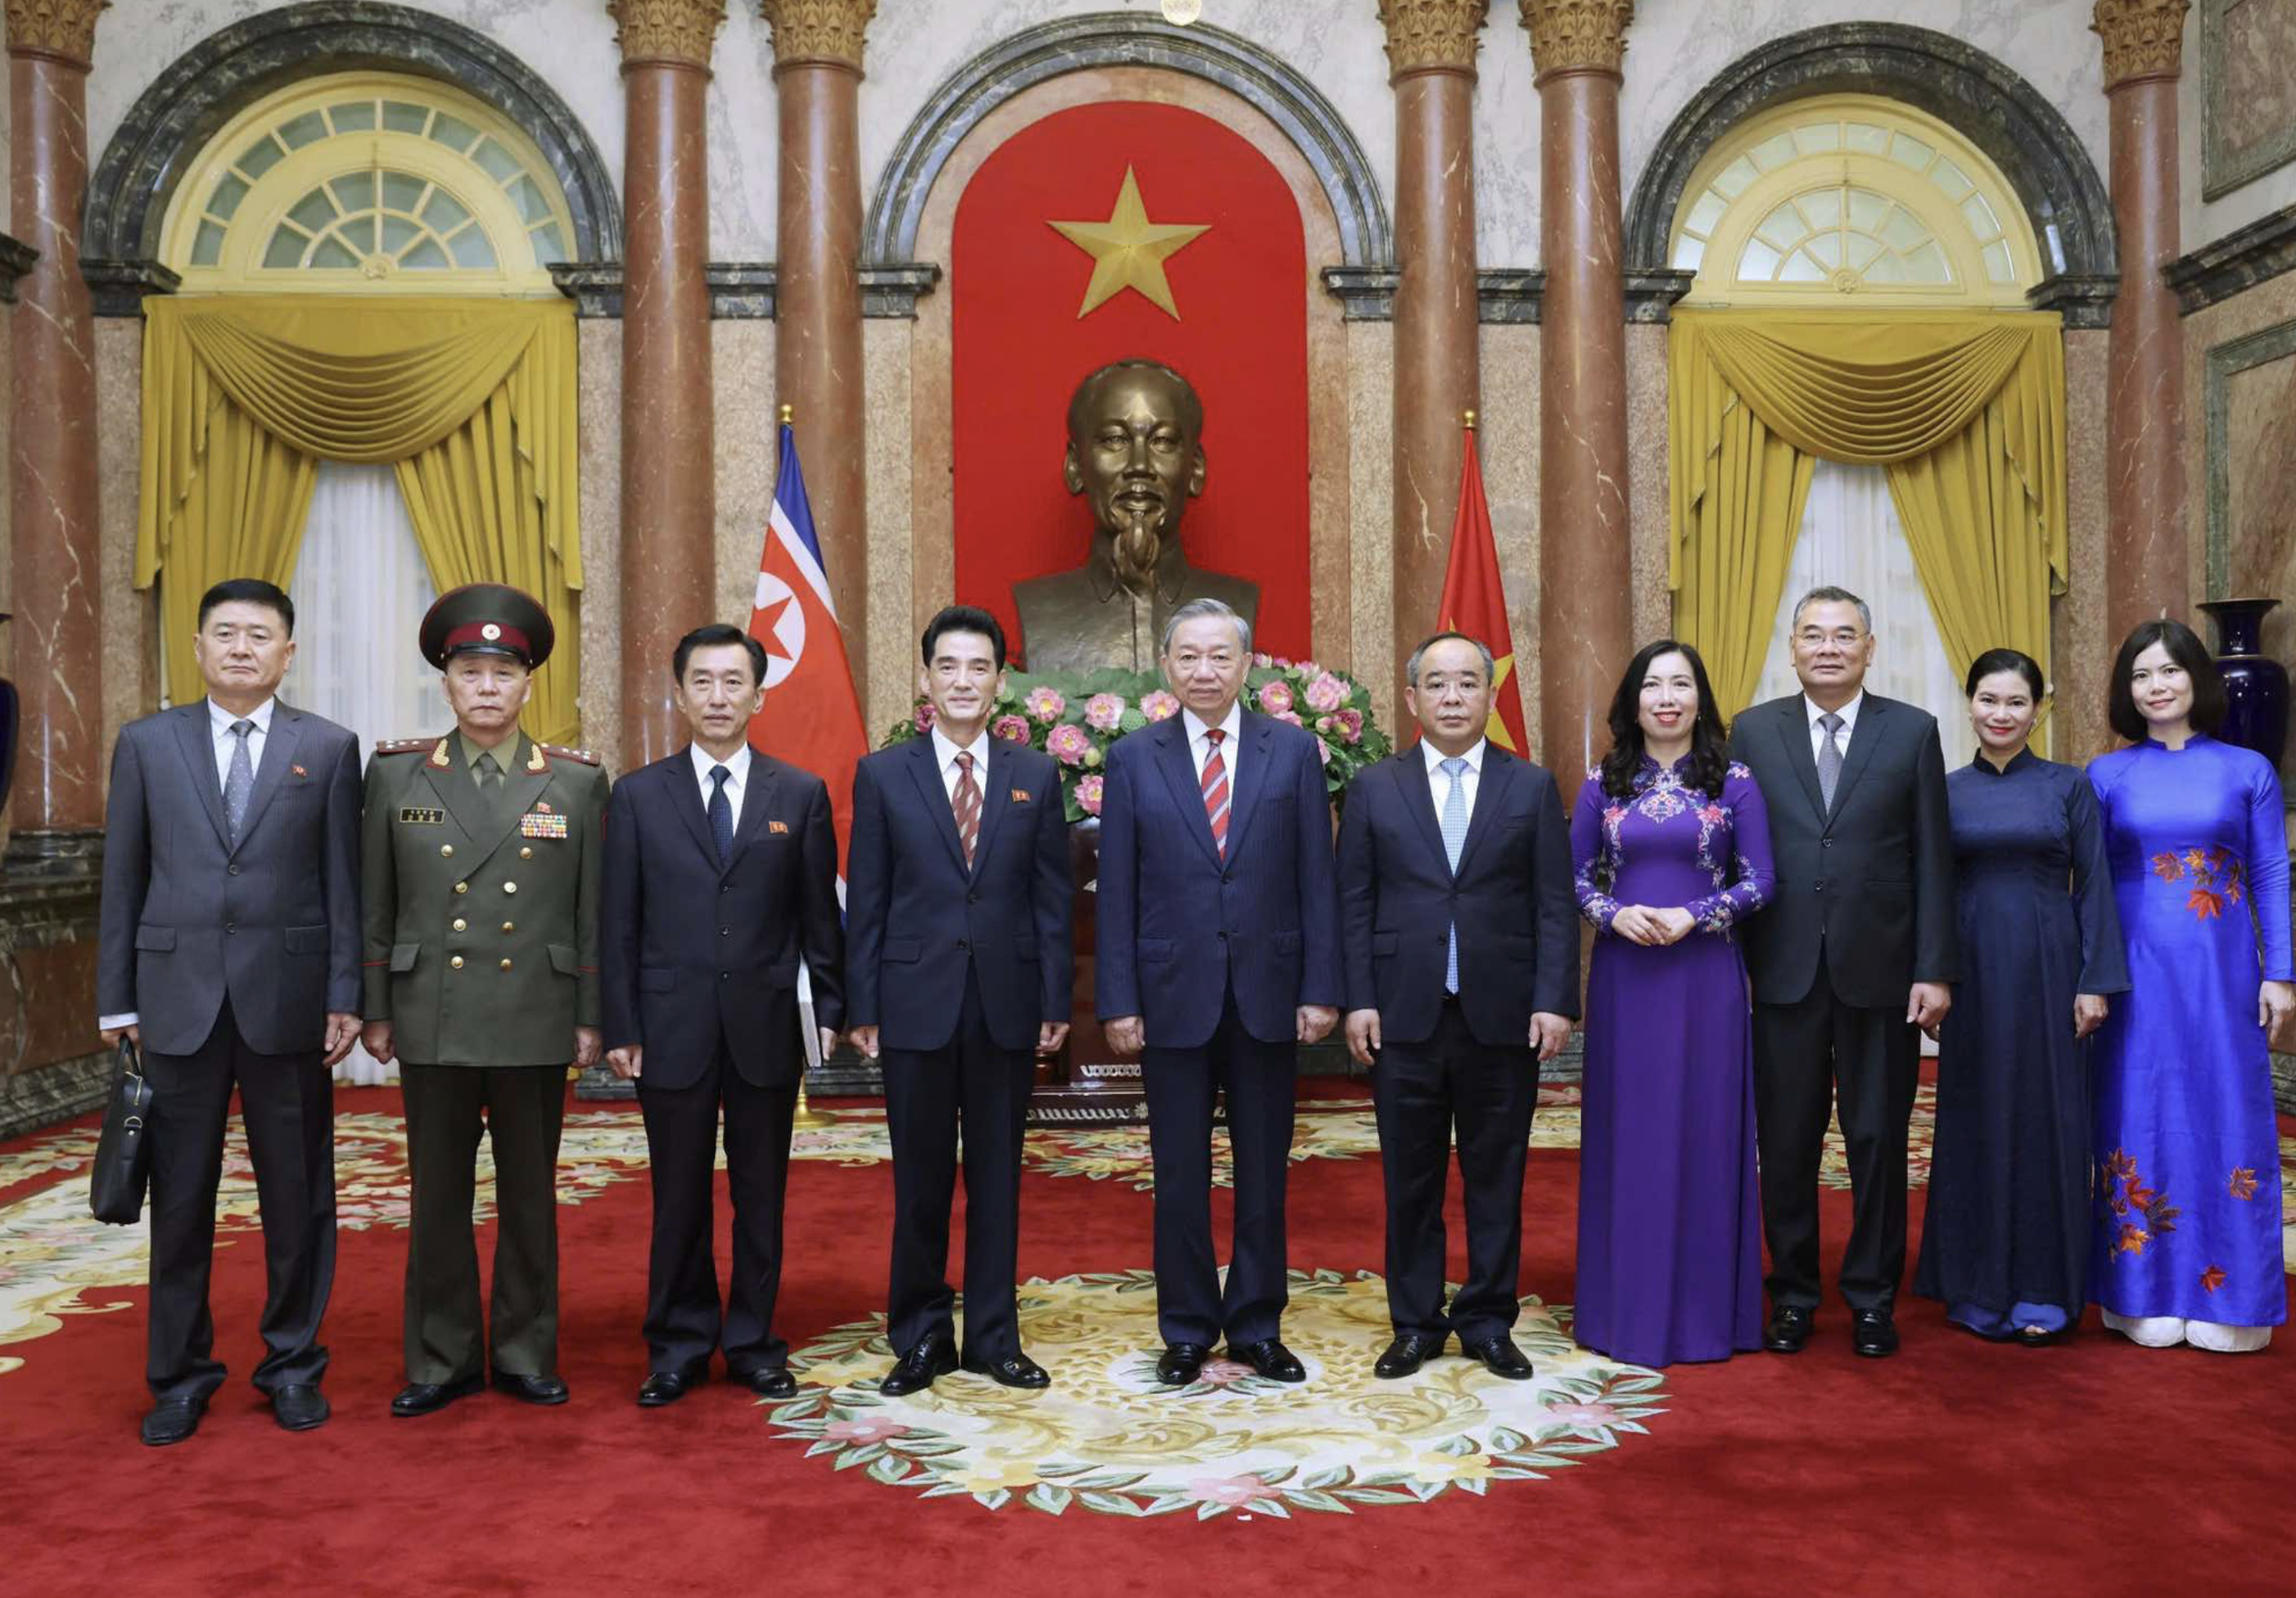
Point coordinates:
pixel 1075 718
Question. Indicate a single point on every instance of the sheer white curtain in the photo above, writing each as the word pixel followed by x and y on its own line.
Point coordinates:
pixel 1851 538
pixel 360 590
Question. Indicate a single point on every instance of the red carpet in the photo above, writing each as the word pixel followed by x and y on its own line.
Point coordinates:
pixel 1957 1467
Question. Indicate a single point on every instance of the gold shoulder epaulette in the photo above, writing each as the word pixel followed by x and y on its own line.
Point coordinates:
pixel 404 746
pixel 559 752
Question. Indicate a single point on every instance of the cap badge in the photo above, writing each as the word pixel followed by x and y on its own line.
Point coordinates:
pixel 490 632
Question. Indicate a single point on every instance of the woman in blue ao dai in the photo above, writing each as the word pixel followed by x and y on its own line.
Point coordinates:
pixel 1671 848
pixel 2187 1245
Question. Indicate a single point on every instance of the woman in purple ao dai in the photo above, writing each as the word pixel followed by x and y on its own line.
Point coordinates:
pixel 1672 848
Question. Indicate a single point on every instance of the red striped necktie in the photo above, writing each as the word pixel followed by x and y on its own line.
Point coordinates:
pixel 1214 783
pixel 966 802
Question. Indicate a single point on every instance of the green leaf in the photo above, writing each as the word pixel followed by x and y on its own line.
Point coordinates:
pixel 1109 1503
pixel 1321 1503
pixel 888 1469
pixel 1049 1498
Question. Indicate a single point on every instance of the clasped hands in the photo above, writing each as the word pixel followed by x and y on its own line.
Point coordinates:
pixel 1548 1034
pixel 381 1043
pixel 1651 927
pixel 1050 1037
pixel 1311 1023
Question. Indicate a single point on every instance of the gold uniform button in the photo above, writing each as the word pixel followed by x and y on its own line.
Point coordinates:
pixel 457 962
pixel 461 925
pixel 509 888
pixel 510 926
pixel 526 851
pixel 461 888
pixel 505 965
pixel 446 851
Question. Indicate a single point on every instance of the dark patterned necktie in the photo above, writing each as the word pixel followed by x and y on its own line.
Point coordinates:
pixel 1216 795
pixel 721 814
pixel 239 784
pixel 966 802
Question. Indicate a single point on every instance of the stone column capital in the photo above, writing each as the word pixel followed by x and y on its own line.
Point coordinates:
pixel 675 33
pixel 817 32
pixel 1432 35
pixel 2142 38
pixel 1578 36
pixel 60 30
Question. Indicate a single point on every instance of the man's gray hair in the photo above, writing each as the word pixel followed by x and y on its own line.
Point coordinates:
pixel 1196 608
pixel 1829 596
pixel 1411 667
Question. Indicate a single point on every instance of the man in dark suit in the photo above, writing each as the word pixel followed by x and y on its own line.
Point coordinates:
pixel 958 973
pixel 1854 954
pixel 1461 938
pixel 721 875
pixel 229 951
pixel 1218 955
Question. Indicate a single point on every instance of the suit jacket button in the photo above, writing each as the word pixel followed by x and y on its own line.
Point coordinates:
pixel 971 898
pixel 725 888
pixel 233 868
pixel 461 888
pixel 510 926
pixel 725 932
pixel 1222 937
pixel 722 976
pixel 505 964
pixel 457 962
pixel 1227 876
pixel 230 927
pixel 446 851
pixel 962 944
pixel 461 925
pixel 509 888
pixel 526 851
pixel 1819 885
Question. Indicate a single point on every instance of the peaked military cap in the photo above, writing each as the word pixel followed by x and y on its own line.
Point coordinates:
pixel 491 618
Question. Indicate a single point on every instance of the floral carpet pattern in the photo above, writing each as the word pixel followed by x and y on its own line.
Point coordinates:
pixel 1108 1439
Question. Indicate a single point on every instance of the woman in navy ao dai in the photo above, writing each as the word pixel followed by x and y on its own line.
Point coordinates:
pixel 1669 1223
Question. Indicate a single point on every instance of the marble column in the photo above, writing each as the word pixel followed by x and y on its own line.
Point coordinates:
pixel 2146 572
pixel 1431 52
pixel 1585 569
pixel 817 371
pixel 668 556
pixel 52 465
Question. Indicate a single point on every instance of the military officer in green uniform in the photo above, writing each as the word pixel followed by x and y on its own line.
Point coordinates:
pixel 481 877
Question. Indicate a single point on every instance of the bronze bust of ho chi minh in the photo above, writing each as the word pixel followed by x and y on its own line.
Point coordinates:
pixel 1136 452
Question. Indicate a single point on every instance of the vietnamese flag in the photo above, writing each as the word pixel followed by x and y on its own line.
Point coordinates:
pixel 1475 603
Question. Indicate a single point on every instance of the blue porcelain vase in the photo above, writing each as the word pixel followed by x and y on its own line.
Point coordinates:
pixel 2256 688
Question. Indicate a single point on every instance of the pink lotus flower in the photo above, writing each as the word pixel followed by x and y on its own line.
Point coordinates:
pixel 1012 729
pixel 1586 1419
pixel 1069 743
pixel 1326 692
pixel 1263 661
pixel 1276 698
pixel 1223 1373
pixel 1159 704
pixel 1351 725
pixel 925 717
pixel 1322 752
pixel 1226 1489
pixel 870 1428
pixel 1046 703
pixel 1290 718
pixel 1104 711
pixel 1088 791
pixel 1308 669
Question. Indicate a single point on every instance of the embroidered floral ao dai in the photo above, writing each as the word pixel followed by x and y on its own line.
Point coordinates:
pixel 2187 1213
pixel 1670 1218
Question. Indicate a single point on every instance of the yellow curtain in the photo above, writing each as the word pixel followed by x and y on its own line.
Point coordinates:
pixel 472 400
pixel 1965 410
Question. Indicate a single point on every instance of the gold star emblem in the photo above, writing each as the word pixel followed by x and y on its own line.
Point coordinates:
pixel 1128 251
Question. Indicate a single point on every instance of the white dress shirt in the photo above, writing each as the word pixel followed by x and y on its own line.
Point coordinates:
pixel 220 739
pixel 945 750
pixel 1200 747
pixel 1438 780
pixel 737 783
pixel 1849 714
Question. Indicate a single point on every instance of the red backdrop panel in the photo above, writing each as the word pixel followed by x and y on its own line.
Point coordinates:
pixel 1020 349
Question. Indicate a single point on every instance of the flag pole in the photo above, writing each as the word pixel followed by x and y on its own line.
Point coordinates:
pixel 806 1116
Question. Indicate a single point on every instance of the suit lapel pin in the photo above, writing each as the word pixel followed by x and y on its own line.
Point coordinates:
pixel 1019 796
pixel 542 807
pixel 777 826
pixel 299 770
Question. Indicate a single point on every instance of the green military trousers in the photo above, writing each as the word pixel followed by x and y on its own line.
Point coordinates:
pixel 523 1109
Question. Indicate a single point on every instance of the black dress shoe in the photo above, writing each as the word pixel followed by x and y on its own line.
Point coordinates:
pixel 1789 1328
pixel 772 1381
pixel 1874 1332
pixel 426 1397
pixel 919 1368
pixel 172 1420
pixel 667 1387
pixel 532 1390
pixel 1501 1357
pixel 1182 1364
pixel 298 1406
pixel 1271 1359
pixel 1017 1370
pixel 1406 1355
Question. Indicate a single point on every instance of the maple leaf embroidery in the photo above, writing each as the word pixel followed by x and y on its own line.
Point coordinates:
pixel 2243 1182
pixel 2133 1239
pixel 2213 1277
pixel 2168 867
pixel 2205 904
pixel 2196 862
pixel 2140 1195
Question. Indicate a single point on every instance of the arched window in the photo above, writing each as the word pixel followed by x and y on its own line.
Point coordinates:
pixel 369 181
pixel 1855 203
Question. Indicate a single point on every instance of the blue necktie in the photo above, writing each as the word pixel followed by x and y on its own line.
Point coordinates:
pixel 239 784
pixel 1454 839
pixel 721 814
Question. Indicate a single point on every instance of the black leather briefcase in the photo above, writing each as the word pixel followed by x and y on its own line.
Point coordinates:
pixel 123 1155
